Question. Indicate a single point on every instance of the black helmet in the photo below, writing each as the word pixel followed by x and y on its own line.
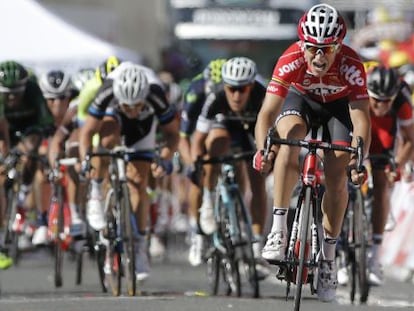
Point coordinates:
pixel 55 83
pixel 13 77
pixel 383 82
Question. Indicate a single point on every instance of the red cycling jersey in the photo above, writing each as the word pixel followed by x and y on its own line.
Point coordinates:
pixel 345 78
pixel 384 129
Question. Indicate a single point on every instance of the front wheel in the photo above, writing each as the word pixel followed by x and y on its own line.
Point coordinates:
pixel 248 261
pixel 303 235
pixel 360 240
pixel 128 241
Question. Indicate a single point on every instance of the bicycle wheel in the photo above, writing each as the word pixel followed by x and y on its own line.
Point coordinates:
pixel 360 230
pixel 246 237
pixel 58 241
pixel 213 272
pixel 229 261
pixel 108 258
pixel 303 235
pixel 11 237
pixel 128 241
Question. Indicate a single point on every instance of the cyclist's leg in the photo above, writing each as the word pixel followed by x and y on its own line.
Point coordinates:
pixel 380 210
pixel 335 199
pixel 217 144
pixel 285 178
pixel 109 136
pixel 137 173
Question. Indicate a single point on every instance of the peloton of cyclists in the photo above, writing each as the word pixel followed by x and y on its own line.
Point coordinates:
pixel 317 80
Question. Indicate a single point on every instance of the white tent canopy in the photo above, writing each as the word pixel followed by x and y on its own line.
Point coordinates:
pixel 42 41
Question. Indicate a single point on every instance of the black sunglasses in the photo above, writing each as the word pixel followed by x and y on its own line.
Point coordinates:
pixel 240 89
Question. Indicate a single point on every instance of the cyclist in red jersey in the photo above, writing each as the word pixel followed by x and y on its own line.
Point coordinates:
pixel 391 113
pixel 317 81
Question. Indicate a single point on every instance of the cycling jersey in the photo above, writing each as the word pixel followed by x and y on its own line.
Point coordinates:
pixel 31 113
pixel 156 110
pixel 345 78
pixel 194 99
pixel 85 98
pixel 216 109
pixel 384 129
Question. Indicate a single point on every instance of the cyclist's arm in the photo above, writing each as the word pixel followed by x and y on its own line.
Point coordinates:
pixel 405 150
pixel 359 111
pixel 89 128
pixel 57 142
pixel 266 118
pixel 197 144
pixel 184 147
pixel 4 137
pixel 170 134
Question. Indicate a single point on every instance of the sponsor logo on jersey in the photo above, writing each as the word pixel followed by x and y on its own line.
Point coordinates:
pixel 272 87
pixel 352 74
pixel 289 67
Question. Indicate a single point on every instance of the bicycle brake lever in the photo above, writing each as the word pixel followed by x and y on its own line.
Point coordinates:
pixel 268 142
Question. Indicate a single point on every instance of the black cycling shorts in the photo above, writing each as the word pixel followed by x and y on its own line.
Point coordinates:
pixel 333 117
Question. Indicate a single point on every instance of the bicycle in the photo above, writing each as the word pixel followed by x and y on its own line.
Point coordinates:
pixel 59 215
pixel 13 213
pixel 121 230
pixel 301 259
pixel 231 244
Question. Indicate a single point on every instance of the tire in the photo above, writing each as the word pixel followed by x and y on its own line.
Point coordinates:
pixel 360 230
pixel 10 241
pixel 246 234
pixel 213 272
pixel 79 267
pixel 303 235
pixel 229 262
pixel 128 241
pixel 58 241
pixel 112 253
pixel 113 258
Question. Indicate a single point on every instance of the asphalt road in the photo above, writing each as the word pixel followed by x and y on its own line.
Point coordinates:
pixel 173 285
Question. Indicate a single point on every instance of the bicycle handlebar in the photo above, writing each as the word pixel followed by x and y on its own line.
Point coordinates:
pixel 314 145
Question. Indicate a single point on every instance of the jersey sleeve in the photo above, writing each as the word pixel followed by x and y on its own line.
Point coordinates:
pixel 194 99
pixel 353 74
pixel 102 99
pixel 85 98
pixel 286 70
pixel 163 110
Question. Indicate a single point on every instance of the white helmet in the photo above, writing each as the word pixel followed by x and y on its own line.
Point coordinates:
pixel 322 24
pixel 55 83
pixel 238 71
pixel 131 84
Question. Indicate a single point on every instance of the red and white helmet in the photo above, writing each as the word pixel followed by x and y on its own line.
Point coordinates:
pixel 322 24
